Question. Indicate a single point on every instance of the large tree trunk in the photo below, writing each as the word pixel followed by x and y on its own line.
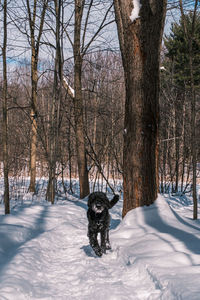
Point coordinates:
pixel 140 42
pixel 5 117
pixel 78 105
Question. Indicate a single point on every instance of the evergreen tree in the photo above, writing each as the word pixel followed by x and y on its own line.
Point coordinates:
pixel 178 52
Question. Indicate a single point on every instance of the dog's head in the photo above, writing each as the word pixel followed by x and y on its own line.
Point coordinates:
pixel 98 201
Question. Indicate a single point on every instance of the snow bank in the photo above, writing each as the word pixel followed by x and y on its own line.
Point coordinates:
pixel 164 247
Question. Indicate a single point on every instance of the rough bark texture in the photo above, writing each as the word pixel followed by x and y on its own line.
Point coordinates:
pixel 5 117
pixel 78 104
pixel 140 42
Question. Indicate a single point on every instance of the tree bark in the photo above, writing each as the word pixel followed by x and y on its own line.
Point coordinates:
pixel 55 108
pixel 5 116
pixel 189 37
pixel 33 150
pixel 35 44
pixel 178 108
pixel 140 42
pixel 78 104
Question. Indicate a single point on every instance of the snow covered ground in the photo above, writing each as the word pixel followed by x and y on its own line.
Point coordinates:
pixel 45 254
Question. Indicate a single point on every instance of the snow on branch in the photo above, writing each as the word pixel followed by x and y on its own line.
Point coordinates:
pixel 136 9
pixel 69 89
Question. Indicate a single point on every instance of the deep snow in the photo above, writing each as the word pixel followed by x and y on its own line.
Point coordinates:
pixel 45 254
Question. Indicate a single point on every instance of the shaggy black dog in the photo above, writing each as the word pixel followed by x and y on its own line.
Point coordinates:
pixel 99 220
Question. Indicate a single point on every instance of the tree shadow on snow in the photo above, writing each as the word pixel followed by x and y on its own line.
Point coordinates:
pixel 181 220
pixel 80 203
pixel 10 247
pixel 191 241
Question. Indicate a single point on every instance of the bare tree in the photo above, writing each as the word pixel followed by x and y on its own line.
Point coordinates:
pixel 5 115
pixel 81 42
pixel 55 106
pixel 189 35
pixel 78 103
pixel 140 28
pixel 35 45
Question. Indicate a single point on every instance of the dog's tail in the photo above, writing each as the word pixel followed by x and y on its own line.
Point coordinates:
pixel 114 201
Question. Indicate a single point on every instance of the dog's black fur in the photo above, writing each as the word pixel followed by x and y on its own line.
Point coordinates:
pixel 99 220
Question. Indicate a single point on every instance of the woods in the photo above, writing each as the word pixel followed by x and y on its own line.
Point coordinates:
pixel 76 103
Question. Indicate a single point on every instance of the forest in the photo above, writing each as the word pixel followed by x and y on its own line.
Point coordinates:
pixel 99 96
pixel 63 97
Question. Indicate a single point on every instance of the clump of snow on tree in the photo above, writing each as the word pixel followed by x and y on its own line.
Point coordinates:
pixel 136 9
pixel 162 68
pixel 68 87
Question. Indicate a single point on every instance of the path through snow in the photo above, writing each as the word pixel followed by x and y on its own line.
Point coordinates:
pixel 44 254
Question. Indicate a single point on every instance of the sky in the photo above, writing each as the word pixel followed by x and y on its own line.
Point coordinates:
pixel 19 48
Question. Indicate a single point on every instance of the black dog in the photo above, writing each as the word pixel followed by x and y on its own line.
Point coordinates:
pixel 99 220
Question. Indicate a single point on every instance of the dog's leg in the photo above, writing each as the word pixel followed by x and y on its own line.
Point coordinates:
pixel 108 246
pixel 103 241
pixel 94 243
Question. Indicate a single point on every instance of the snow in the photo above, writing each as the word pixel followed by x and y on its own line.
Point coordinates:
pixel 45 254
pixel 136 9
pixel 68 87
pixel 162 68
